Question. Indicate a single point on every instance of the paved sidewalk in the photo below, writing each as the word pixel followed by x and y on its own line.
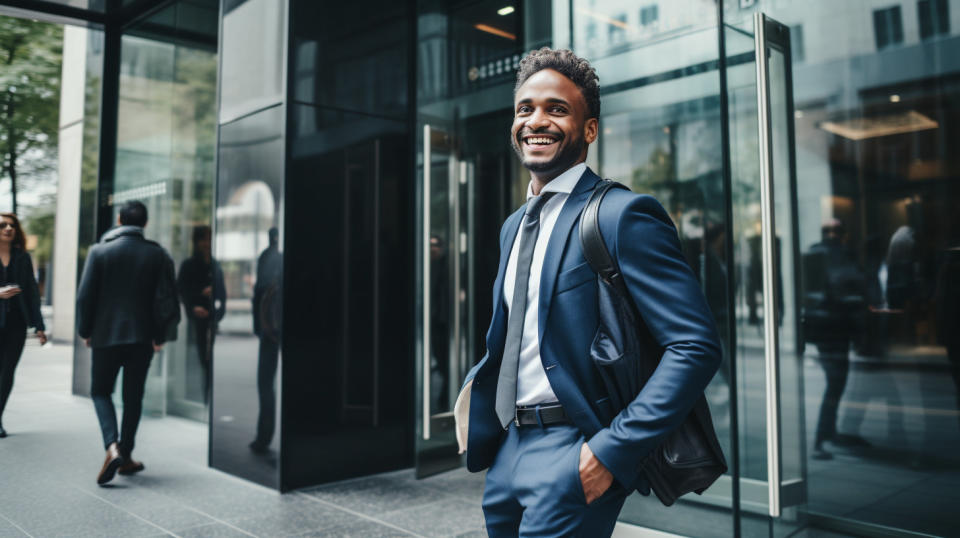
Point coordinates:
pixel 49 462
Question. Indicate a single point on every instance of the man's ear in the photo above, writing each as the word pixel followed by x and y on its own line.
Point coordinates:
pixel 590 130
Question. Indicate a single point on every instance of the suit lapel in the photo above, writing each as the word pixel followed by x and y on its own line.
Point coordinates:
pixel 558 239
pixel 498 325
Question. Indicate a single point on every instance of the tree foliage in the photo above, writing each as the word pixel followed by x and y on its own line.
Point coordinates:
pixel 30 61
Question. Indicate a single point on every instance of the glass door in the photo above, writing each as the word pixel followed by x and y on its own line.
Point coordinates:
pixel 769 350
pixel 447 277
pixel 466 188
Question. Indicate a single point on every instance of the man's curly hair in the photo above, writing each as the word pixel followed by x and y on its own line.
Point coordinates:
pixel 569 65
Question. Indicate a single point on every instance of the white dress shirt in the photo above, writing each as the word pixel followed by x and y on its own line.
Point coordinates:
pixel 533 387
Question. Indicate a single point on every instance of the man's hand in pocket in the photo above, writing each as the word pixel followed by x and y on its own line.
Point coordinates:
pixel 594 477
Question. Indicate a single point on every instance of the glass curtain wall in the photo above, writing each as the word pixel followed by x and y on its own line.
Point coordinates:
pixel 244 438
pixel 166 135
pixel 875 280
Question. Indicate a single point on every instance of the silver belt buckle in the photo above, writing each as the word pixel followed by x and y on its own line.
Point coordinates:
pixel 516 416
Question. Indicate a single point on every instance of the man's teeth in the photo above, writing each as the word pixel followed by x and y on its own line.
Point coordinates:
pixel 540 140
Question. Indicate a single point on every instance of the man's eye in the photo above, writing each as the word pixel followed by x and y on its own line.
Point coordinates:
pixel 558 109
pixel 523 110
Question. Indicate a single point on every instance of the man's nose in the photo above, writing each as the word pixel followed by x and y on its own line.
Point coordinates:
pixel 538 120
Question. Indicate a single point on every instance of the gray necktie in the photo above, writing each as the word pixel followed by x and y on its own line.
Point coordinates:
pixel 506 405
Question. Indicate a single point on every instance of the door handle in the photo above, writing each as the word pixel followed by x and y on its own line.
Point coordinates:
pixel 771 343
pixel 426 284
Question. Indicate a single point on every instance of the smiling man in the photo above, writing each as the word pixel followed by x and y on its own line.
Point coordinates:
pixel 561 460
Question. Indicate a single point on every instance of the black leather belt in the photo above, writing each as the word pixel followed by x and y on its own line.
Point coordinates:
pixel 541 415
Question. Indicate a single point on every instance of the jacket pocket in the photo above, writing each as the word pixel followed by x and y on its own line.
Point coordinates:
pixel 605 409
pixel 571 278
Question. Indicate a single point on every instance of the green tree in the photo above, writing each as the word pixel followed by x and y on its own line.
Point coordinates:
pixel 30 60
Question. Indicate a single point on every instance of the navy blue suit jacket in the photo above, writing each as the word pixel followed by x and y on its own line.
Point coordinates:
pixel 641 237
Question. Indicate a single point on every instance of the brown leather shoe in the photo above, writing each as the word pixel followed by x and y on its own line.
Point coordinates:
pixel 131 466
pixel 110 465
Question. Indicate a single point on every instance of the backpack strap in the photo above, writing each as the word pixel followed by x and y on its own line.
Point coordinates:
pixel 591 239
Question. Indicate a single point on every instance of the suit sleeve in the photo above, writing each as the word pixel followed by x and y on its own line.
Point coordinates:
pixel 87 296
pixel 673 307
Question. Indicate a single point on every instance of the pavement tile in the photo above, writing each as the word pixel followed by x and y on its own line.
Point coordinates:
pixel 213 530
pixel 449 517
pixel 8 529
pixel 376 495
pixel 295 518
pixel 460 482
pixel 364 529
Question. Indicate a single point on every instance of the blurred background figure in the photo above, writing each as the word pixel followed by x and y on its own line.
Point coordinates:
pixel 19 304
pixel 833 301
pixel 204 297
pixel 267 314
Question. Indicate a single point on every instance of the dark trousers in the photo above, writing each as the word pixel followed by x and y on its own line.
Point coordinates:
pixel 533 487
pixel 835 361
pixel 12 339
pixel 266 376
pixel 203 337
pixel 107 361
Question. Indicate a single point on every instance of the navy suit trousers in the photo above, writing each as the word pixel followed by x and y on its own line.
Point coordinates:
pixel 533 487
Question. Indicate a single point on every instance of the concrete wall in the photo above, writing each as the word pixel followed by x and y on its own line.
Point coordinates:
pixel 70 149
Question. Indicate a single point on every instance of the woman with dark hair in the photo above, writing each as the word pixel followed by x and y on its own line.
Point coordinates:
pixel 19 303
pixel 204 296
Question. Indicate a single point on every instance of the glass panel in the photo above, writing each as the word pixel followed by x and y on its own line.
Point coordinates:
pixel 166 137
pixel 252 73
pixel 352 59
pixel 243 439
pixel 875 132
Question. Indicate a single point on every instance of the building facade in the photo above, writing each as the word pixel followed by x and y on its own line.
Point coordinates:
pixel 353 163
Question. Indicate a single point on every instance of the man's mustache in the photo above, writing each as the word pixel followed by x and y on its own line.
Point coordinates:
pixel 521 134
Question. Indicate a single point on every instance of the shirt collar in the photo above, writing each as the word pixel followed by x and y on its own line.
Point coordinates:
pixel 564 183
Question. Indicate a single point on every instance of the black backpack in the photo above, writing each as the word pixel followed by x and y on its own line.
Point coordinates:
pixel 690 457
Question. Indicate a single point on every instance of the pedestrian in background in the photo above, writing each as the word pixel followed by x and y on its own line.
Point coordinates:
pixel 125 306
pixel 204 297
pixel 19 304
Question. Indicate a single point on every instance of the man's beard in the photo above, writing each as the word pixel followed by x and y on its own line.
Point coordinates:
pixel 560 162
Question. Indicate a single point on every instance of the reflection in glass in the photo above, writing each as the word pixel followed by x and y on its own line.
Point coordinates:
pixel 203 295
pixel 267 319
pixel 247 246
pixel 252 70
pixel 881 415
pixel 165 144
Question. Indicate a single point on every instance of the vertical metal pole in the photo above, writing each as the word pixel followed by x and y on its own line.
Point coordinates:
pixel 771 350
pixel 453 252
pixel 109 106
pixel 425 241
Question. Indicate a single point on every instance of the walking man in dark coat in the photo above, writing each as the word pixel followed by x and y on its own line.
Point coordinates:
pixel 126 306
